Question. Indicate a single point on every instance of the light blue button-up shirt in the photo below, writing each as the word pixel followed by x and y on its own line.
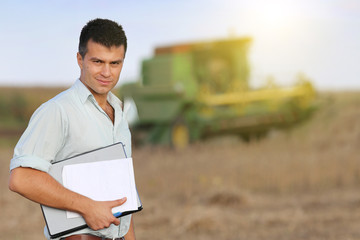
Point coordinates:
pixel 69 124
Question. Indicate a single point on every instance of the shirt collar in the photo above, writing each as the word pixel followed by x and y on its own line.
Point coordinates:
pixel 84 93
pixel 114 101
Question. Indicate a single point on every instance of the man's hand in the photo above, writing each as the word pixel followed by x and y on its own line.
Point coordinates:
pixel 40 187
pixel 98 215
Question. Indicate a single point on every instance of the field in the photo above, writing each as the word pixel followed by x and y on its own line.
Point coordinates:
pixel 302 183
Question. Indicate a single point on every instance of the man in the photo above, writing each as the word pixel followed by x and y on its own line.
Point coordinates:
pixel 84 117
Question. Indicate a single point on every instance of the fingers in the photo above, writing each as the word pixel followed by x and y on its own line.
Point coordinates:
pixel 100 226
pixel 104 222
pixel 100 216
pixel 118 202
pixel 116 221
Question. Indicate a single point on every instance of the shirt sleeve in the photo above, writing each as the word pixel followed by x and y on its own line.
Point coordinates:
pixel 42 139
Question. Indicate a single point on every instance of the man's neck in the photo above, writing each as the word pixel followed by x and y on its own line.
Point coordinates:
pixel 101 100
pixel 105 105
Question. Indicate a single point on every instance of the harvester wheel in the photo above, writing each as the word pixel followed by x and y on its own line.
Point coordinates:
pixel 180 135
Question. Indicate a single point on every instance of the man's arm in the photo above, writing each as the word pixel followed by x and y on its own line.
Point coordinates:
pixel 130 235
pixel 40 187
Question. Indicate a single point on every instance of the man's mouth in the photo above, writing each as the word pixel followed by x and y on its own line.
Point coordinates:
pixel 104 82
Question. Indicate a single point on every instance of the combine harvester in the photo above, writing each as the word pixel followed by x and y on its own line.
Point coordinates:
pixel 191 91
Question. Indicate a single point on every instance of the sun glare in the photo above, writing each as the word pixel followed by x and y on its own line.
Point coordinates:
pixel 278 29
pixel 273 16
pixel 264 16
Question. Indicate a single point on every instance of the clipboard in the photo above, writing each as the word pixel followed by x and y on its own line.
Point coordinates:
pixel 56 220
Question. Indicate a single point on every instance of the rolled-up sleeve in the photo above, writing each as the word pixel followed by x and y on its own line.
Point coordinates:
pixel 30 161
pixel 42 139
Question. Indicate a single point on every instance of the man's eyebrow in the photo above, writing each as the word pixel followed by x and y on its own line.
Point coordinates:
pixel 120 61
pixel 96 59
pixel 115 61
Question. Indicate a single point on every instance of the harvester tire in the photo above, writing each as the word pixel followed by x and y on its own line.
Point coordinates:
pixel 180 134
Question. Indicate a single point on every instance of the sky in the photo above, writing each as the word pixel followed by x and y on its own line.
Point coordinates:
pixel 318 38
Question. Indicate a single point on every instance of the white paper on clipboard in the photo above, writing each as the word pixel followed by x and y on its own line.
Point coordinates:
pixel 103 181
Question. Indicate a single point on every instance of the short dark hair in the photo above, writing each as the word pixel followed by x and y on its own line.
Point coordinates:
pixel 104 32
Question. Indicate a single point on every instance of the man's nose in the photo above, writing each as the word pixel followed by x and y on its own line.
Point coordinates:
pixel 105 71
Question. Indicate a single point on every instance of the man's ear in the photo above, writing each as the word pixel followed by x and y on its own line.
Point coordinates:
pixel 79 60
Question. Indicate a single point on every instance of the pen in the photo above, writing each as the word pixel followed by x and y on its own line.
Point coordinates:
pixel 117 214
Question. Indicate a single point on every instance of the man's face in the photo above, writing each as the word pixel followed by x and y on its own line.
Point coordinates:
pixel 101 67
